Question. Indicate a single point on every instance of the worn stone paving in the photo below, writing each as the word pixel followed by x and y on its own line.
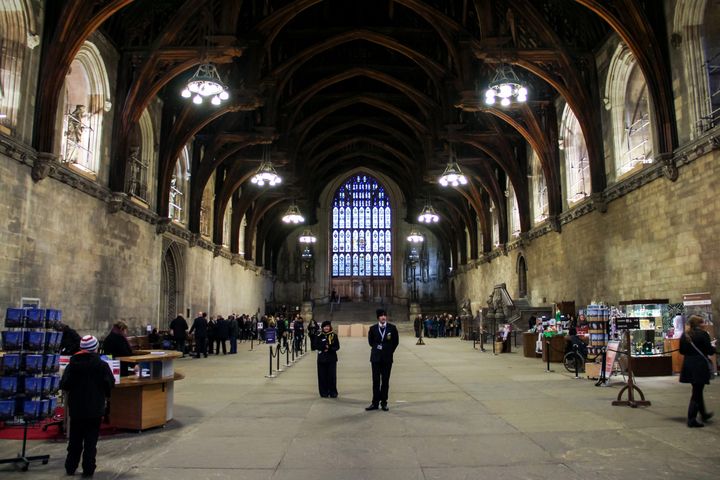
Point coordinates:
pixel 455 413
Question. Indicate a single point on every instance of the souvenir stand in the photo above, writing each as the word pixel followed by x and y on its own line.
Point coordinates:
pixel 647 342
pixel 29 365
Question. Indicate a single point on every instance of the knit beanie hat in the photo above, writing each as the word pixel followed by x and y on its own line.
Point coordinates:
pixel 89 343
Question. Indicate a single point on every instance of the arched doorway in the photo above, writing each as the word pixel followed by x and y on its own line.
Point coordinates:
pixel 170 284
pixel 361 240
pixel 522 277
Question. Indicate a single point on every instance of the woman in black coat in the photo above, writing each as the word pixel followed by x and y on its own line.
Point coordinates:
pixel 117 345
pixel 695 345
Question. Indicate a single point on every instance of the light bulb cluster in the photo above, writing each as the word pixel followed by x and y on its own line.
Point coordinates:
pixel 452 175
pixel 266 174
pixel 293 215
pixel 415 237
pixel 428 215
pixel 505 86
pixel 206 83
pixel 307 237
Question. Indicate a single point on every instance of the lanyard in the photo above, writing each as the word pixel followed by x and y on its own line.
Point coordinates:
pixel 382 332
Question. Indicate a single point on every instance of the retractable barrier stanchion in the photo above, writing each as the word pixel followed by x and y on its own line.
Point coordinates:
pixel 602 379
pixel 547 355
pixel 577 363
pixel 270 357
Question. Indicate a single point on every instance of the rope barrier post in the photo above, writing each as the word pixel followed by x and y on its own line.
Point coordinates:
pixel 251 343
pixel 547 355
pixel 287 356
pixel 277 356
pixel 577 362
pixel 602 379
pixel 482 340
pixel 270 375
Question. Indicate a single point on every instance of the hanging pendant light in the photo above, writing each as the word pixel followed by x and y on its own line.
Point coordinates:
pixel 307 236
pixel 266 172
pixel 452 174
pixel 293 215
pixel 415 237
pixel 428 214
pixel 205 83
pixel 506 86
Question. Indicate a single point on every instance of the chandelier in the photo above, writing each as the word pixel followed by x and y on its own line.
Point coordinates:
pixel 452 174
pixel 293 215
pixel 428 214
pixel 415 237
pixel 205 83
pixel 307 236
pixel 266 172
pixel 506 86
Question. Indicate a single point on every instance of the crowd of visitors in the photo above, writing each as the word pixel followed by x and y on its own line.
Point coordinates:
pixel 211 334
pixel 434 326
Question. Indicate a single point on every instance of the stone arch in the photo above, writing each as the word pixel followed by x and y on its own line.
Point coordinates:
pixel 85 100
pixel 17 37
pixel 629 104
pixel 575 157
pixel 521 270
pixel 172 282
pixel 688 29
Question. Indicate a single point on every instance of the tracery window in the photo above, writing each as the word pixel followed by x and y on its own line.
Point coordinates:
pixel 85 102
pixel 514 210
pixel 179 185
pixel 630 110
pixel 539 190
pixel 575 153
pixel 361 235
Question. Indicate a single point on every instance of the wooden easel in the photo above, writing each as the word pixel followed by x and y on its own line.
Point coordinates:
pixel 630 387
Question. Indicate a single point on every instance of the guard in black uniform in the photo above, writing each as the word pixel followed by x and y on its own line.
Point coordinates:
pixel 383 339
pixel 327 344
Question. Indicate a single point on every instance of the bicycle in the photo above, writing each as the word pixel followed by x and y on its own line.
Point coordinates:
pixel 573 361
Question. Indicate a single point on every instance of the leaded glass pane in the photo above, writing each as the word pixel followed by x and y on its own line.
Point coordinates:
pixel 361 235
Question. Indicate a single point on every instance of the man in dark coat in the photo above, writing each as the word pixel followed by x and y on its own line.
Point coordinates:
pixel 234 332
pixel 222 333
pixel 383 339
pixel 70 343
pixel 117 345
pixel 88 381
pixel 179 328
pixel 200 328
pixel 327 344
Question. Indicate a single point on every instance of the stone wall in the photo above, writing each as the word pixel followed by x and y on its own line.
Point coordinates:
pixel 62 245
pixel 658 241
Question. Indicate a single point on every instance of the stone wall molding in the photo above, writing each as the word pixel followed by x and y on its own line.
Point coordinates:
pixel 43 166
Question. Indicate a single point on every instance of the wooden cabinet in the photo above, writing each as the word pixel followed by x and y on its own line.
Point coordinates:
pixel 557 348
pixel 529 340
pixel 651 365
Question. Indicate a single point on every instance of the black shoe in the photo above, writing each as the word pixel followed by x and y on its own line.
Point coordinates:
pixel 372 406
pixel 707 416
pixel 69 473
pixel 694 424
pixel 333 395
pixel 384 407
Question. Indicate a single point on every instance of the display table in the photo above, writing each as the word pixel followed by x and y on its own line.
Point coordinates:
pixel 652 365
pixel 138 403
pixel 529 339
pixel 557 348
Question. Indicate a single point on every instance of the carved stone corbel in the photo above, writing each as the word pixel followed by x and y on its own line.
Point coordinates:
pixel 235 259
pixel 163 225
pixel 599 202
pixel 217 249
pixel 554 223
pixel 115 202
pixel 44 164
pixel 193 240
pixel 669 168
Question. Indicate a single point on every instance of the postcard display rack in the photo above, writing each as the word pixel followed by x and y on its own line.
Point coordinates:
pixel 597 317
pixel 29 366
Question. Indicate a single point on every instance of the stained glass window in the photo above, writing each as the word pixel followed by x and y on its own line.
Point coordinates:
pixel 361 229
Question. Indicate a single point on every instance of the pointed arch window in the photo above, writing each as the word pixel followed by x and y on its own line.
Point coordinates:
pixel 361 236
pixel 575 154
pixel 85 102
pixel 629 106
pixel 539 190
pixel 179 185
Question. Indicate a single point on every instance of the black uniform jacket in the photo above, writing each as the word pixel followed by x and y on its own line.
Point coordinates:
pixel 327 345
pixel 88 381
pixel 389 343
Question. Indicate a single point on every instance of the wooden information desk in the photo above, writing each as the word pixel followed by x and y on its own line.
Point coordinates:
pixel 138 403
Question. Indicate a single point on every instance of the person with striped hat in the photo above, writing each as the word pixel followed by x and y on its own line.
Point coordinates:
pixel 87 381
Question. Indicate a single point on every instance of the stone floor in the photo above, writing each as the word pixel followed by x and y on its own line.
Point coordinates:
pixel 455 413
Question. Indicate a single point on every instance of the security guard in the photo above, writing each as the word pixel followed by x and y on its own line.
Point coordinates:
pixel 383 340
